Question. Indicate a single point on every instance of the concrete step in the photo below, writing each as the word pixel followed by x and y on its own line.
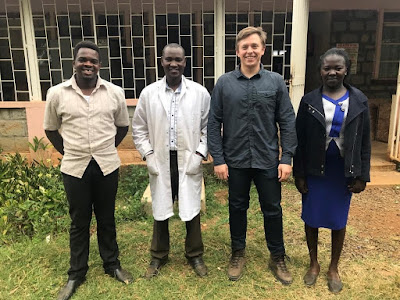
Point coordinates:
pixel 384 178
pixel 384 166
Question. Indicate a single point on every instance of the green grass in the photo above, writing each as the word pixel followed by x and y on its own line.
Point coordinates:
pixel 35 269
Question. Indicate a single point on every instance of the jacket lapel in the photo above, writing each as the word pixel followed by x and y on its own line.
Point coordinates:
pixel 315 106
pixel 356 106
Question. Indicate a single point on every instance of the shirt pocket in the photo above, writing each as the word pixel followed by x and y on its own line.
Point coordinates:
pixel 266 100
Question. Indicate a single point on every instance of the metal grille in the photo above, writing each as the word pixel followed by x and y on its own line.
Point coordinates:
pixel 130 35
pixel 275 17
pixel 191 24
pixel 13 75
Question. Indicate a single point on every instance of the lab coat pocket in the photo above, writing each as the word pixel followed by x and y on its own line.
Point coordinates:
pixel 194 164
pixel 152 164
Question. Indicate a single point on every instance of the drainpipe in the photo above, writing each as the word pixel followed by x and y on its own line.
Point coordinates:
pixel 299 51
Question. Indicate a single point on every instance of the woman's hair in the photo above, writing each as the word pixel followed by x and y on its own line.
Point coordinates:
pixel 246 32
pixel 336 51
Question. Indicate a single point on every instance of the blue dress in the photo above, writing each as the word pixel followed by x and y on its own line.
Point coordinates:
pixel 328 199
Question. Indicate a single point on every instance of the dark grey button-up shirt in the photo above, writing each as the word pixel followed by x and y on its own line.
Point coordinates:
pixel 250 111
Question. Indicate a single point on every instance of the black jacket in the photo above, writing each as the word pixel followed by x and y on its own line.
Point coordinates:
pixel 311 135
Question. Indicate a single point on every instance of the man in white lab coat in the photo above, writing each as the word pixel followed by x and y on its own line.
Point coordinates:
pixel 170 132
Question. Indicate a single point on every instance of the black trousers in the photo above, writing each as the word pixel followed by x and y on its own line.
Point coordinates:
pixel 97 192
pixel 269 196
pixel 160 241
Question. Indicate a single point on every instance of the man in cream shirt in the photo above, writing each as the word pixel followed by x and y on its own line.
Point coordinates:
pixel 85 119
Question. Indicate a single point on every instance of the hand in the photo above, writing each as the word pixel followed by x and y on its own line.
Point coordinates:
pixel 221 171
pixel 357 186
pixel 301 184
pixel 284 172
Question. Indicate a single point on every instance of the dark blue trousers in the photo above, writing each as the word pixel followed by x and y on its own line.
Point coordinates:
pixel 269 196
pixel 93 192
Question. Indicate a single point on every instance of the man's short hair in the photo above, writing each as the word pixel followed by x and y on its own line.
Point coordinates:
pixel 246 32
pixel 172 45
pixel 86 44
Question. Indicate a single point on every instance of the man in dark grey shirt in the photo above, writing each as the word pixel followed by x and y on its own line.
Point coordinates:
pixel 250 103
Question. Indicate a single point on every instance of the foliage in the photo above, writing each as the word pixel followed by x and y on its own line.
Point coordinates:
pixel 38 144
pixel 40 151
pixel 132 184
pixel 32 199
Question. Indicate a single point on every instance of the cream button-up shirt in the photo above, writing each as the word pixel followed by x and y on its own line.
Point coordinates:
pixel 88 128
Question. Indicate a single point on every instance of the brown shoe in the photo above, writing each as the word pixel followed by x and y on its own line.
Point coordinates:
pixel 198 265
pixel 278 267
pixel 236 265
pixel 154 267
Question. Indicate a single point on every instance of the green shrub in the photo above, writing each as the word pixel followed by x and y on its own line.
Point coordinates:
pixel 132 184
pixel 32 199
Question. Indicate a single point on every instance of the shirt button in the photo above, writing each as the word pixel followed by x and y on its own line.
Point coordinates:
pixel 322 166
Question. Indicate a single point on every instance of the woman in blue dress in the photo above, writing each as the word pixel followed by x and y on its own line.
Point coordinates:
pixel 332 159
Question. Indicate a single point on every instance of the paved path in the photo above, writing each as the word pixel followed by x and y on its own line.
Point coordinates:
pixel 383 172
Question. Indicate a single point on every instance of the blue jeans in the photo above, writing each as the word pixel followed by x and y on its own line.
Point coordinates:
pixel 269 194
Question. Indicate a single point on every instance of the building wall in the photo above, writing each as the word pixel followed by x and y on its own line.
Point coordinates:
pixel 13 130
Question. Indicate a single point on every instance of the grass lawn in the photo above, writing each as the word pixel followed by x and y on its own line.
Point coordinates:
pixel 36 269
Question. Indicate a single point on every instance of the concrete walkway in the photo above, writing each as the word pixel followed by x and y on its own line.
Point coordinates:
pixel 383 172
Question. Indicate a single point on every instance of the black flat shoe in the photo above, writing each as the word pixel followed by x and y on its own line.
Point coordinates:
pixel 154 267
pixel 198 266
pixel 310 278
pixel 69 289
pixel 121 275
pixel 335 286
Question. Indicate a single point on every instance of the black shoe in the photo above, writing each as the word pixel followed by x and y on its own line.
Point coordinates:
pixel 121 275
pixel 69 289
pixel 198 265
pixel 154 267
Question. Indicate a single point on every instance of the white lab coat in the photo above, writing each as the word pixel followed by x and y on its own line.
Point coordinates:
pixel 151 127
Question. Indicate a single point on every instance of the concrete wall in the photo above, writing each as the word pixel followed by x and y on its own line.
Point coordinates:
pixel 13 130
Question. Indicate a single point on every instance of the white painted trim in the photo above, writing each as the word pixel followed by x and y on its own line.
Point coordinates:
pixel 394 127
pixel 32 67
pixel 299 51
pixel 219 38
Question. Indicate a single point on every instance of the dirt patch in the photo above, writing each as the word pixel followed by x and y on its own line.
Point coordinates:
pixel 221 196
pixel 375 215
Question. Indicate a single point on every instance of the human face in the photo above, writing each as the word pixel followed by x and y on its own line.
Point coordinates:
pixel 250 50
pixel 173 62
pixel 333 70
pixel 86 64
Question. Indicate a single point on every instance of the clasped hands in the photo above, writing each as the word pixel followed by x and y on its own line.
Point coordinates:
pixel 356 185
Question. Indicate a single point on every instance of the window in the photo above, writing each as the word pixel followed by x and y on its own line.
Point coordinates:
pixel 13 75
pixel 390 46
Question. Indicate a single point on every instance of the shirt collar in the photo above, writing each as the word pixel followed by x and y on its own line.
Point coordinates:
pixel 178 90
pixel 239 74
pixel 72 83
